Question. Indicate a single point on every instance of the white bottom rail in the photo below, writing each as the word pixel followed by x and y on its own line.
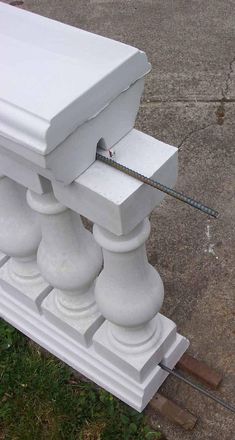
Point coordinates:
pixel 86 360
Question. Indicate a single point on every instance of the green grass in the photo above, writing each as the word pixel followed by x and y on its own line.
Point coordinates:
pixel 40 399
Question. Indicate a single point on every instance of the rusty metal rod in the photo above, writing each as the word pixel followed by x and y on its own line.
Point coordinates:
pixel 157 185
pixel 199 388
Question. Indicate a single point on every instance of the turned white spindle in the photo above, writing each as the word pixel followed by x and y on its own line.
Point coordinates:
pixel 20 232
pixel 70 260
pixel 129 291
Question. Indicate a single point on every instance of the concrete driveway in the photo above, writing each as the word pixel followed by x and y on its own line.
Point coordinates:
pixel 189 102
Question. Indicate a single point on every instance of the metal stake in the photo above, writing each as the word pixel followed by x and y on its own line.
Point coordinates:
pixel 171 192
pixel 197 387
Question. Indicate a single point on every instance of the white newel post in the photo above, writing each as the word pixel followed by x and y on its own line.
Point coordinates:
pixel 70 260
pixel 20 236
pixel 129 291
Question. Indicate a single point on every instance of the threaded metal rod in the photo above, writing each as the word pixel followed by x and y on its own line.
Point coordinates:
pixel 171 192
pixel 197 387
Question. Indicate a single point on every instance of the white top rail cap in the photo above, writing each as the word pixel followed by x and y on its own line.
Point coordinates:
pixel 55 77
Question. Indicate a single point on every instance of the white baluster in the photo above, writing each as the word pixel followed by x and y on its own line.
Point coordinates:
pixel 70 261
pixel 20 236
pixel 129 293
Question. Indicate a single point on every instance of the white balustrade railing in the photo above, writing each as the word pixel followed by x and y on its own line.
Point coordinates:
pixel 92 299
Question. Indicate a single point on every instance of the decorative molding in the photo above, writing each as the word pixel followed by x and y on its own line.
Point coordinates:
pixel 86 360
pixel 72 77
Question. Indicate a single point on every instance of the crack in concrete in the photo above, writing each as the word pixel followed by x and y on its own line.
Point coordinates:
pixel 220 112
pixel 184 101
pixel 195 131
pixel 225 90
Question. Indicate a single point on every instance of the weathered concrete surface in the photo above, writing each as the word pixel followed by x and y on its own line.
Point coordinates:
pixel 191 45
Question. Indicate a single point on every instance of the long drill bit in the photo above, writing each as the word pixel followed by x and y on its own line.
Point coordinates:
pixel 171 192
